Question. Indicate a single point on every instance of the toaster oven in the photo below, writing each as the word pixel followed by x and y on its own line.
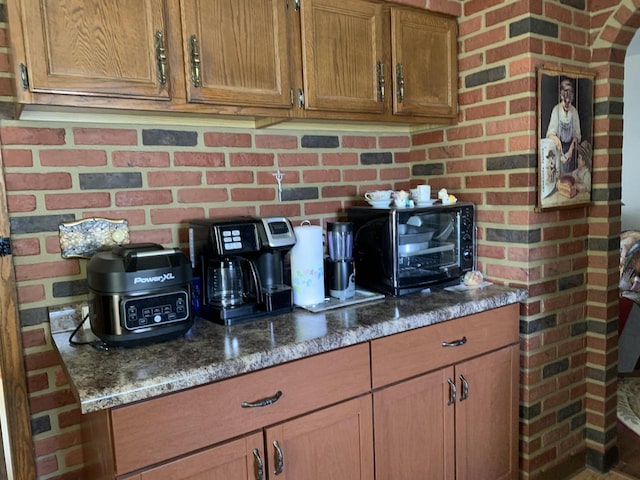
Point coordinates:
pixel 403 250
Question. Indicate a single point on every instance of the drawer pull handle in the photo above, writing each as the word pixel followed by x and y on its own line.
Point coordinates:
pixel 264 402
pixel 259 464
pixel 465 388
pixel 279 458
pixel 455 343
pixel 453 391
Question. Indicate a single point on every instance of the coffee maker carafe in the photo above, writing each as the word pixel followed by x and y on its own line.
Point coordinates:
pixel 339 266
pixel 239 263
pixel 227 281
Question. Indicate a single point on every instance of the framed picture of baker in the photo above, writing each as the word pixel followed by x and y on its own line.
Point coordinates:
pixel 565 133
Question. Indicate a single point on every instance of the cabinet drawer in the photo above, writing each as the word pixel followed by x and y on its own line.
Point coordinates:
pixel 411 353
pixel 162 428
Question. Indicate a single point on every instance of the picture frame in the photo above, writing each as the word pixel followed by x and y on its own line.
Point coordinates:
pixel 565 136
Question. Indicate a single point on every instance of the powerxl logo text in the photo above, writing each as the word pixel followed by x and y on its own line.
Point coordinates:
pixel 155 279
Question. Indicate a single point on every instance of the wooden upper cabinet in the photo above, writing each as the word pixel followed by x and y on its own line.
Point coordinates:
pixel 342 52
pixel 236 52
pixel 358 60
pixel 98 48
pixel 424 55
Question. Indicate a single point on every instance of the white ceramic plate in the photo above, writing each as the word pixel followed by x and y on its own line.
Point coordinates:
pixel 426 203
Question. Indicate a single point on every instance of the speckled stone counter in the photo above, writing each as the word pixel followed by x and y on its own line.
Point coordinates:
pixel 211 352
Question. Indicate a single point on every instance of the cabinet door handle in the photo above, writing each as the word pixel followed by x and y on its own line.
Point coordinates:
pixel 453 391
pixel 455 343
pixel 265 402
pixel 465 388
pixel 195 61
pixel 380 72
pixel 400 82
pixel 161 56
pixel 259 464
pixel 279 458
pixel 24 77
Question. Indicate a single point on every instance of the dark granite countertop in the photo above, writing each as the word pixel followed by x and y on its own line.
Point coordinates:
pixel 211 352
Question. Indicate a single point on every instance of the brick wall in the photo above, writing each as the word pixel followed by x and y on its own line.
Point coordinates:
pixel 157 177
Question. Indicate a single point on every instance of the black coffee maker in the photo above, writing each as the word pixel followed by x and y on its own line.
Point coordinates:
pixel 238 265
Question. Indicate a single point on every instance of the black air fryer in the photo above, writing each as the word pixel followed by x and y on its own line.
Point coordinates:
pixel 139 294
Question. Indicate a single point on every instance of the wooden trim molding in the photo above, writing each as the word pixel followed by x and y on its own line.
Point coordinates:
pixel 14 402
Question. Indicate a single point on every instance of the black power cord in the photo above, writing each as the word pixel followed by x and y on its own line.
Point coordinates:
pixel 97 344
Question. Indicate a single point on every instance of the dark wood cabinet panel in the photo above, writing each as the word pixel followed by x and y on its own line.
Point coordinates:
pixel 425 72
pixel 342 49
pixel 236 52
pixel 102 48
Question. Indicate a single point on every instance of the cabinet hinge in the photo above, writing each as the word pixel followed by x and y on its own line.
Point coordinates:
pixel 24 76
pixel 5 246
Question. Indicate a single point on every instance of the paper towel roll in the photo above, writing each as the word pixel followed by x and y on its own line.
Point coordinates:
pixel 307 266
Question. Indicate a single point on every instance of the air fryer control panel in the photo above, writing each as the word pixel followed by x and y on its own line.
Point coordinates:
pixel 153 310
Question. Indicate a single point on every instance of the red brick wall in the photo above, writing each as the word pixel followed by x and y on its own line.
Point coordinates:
pixel 566 258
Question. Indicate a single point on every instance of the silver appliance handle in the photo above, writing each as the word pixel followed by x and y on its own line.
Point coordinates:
pixel 154 253
pixel 256 281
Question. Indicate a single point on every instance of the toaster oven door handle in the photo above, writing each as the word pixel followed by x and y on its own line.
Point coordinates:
pixel 455 343
pixel 265 402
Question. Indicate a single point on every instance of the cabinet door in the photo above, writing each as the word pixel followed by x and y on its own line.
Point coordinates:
pixel 98 48
pixel 236 52
pixel 487 419
pixel 342 46
pixel 424 55
pixel 335 443
pixel 241 459
pixel 415 430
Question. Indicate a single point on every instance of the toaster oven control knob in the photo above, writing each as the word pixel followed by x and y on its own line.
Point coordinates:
pixel 467 255
pixel 157 318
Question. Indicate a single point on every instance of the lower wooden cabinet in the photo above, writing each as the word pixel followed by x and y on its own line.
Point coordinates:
pixel 446 400
pixel 236 460
pixel 335 443
pixel 442 401
pixel 487 416
pixel 415 429
pixel 458 422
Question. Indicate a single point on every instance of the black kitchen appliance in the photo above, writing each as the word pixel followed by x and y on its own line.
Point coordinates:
pixel 403 250
pixel 139 293
pixel 239 264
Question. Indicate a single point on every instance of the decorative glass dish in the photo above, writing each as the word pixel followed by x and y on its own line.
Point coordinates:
pixel 83 238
